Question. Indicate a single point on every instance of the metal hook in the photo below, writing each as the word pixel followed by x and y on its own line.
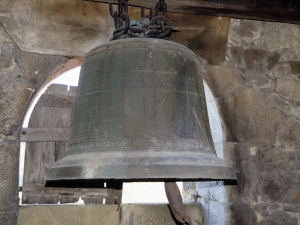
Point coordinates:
pixel 161 6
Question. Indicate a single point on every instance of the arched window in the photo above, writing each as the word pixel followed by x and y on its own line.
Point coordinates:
pixel 50 112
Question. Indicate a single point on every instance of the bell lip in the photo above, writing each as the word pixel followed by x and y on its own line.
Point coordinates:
pixel 117 183
pixel 229 174
pixel 116 165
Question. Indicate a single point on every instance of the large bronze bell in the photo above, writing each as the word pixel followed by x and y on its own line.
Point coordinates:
pixel 140 114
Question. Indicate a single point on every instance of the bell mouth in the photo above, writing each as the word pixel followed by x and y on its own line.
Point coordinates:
pixel 89 168
pixel 117 184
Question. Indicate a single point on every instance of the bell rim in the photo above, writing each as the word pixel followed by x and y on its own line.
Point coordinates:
pixel 128 167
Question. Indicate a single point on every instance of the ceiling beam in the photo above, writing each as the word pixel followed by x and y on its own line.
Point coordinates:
pixel 270 10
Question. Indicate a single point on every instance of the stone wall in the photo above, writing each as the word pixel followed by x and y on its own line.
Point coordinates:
pixel 19 73
pixel 58 27
pixel 257 91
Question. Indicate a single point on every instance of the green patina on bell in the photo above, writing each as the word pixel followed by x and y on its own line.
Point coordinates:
pixel 140 114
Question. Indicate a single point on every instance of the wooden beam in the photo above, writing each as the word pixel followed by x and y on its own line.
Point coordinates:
pixel 38 193
pixel 56 101
pixel 45 134
pixel 275 10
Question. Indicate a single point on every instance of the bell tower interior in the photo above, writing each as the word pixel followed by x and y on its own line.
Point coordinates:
pixel 249 58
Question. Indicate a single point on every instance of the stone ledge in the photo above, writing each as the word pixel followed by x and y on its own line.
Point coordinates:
pixel 127 214
pixel 69 214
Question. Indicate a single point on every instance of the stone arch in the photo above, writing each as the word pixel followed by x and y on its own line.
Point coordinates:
pixel 41 86
pixel 44 80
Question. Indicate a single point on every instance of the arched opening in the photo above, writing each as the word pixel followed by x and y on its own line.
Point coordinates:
pixel 66 80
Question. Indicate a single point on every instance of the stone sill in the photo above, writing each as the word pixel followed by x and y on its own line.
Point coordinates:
pixel 125 214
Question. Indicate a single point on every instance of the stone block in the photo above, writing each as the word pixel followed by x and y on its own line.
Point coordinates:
pixel 265 172
pixel 73 30
pixel 292 208
pixel 288 88
pixel 215 213
pixel 5 56
pixel 128 214
pixel 9 218
pixel 279 218
pixel 18 79
pixel 242 214
pixel 295 67
pixel 242 158
pixel 156 214
pixel 76 28
pixel 9 177
pixel 259 60
pixel 250 118
pixel 279 186
pixel 251 60
pixel 69 215
pixel 266 35
pixel 222 80
pixel 205 35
